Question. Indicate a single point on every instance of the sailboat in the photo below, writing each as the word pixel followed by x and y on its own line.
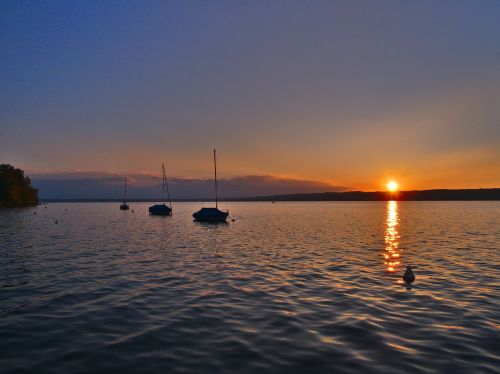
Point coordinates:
pixel 162 209
pixel 124 205
pixel 211 214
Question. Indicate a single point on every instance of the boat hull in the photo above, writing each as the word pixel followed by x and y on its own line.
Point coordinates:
pixel 210 215
pixel 160 210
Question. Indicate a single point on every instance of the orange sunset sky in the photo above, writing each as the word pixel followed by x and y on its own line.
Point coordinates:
pixel 345 94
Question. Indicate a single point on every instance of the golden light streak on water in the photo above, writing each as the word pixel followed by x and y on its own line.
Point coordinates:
pixel 391 253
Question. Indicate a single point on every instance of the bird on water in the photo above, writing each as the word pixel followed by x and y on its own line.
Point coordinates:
pixel 408 276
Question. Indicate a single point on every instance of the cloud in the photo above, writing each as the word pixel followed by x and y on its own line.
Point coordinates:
pixel 98 185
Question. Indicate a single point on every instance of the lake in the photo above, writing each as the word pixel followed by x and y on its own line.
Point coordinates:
pixel 285 288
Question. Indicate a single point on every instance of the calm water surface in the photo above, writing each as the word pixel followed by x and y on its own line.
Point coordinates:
pixel 287 287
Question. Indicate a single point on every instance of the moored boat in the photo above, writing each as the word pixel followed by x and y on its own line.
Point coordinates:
pixel 162 209
pixel 124 205
pixel 212 214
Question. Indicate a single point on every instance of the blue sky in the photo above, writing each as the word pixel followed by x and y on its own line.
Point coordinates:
pixel 348 93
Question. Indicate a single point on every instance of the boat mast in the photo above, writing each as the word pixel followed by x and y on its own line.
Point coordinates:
pixel 215 168
pixel 165 184
pixel 125 191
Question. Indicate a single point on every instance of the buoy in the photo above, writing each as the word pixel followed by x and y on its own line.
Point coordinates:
pixel 408 276
pixel 55 222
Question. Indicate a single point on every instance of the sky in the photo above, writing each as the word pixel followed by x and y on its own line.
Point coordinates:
pixel 295 95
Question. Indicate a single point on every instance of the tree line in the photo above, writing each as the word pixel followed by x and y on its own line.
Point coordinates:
pixel 15 188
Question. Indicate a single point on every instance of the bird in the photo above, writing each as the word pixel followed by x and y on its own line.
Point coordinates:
pixel 408 276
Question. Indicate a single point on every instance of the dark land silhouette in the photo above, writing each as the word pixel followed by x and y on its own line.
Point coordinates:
pixel 422 195
pixel 15 188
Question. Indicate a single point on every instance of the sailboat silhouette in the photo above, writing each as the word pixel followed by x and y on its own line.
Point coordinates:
pixel 212 214
pixel 124 205
pixel 162 209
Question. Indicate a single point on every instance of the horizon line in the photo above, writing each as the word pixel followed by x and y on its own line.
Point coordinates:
pixel 443 194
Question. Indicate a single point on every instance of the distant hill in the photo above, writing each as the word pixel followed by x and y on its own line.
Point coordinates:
pixel 423 195
pixel 15 188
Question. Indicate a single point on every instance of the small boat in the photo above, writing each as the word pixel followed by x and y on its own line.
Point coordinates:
pixel 162 209
pixel 124 205
pixel 212 214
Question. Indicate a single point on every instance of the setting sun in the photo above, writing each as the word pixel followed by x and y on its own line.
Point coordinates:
pixel 392 186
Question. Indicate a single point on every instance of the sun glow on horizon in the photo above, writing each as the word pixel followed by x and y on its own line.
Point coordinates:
pixel 392 186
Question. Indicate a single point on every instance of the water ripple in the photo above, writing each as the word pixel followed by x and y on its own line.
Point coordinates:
pixel 287 287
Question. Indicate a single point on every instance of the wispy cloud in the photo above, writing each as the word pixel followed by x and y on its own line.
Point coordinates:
pixel 89 185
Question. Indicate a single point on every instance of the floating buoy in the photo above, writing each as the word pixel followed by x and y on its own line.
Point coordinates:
pixel 34 213
pixel 55 222
pixel 408 276
pixel 133 211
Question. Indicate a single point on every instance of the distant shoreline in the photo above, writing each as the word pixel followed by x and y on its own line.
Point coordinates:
pixel 480 194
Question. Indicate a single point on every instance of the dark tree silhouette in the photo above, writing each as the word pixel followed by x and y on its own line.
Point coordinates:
pixel 15 188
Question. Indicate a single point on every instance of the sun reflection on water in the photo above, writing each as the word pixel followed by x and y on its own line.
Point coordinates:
pixel 392 251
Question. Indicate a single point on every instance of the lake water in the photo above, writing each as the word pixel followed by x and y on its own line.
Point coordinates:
pixel 286 287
